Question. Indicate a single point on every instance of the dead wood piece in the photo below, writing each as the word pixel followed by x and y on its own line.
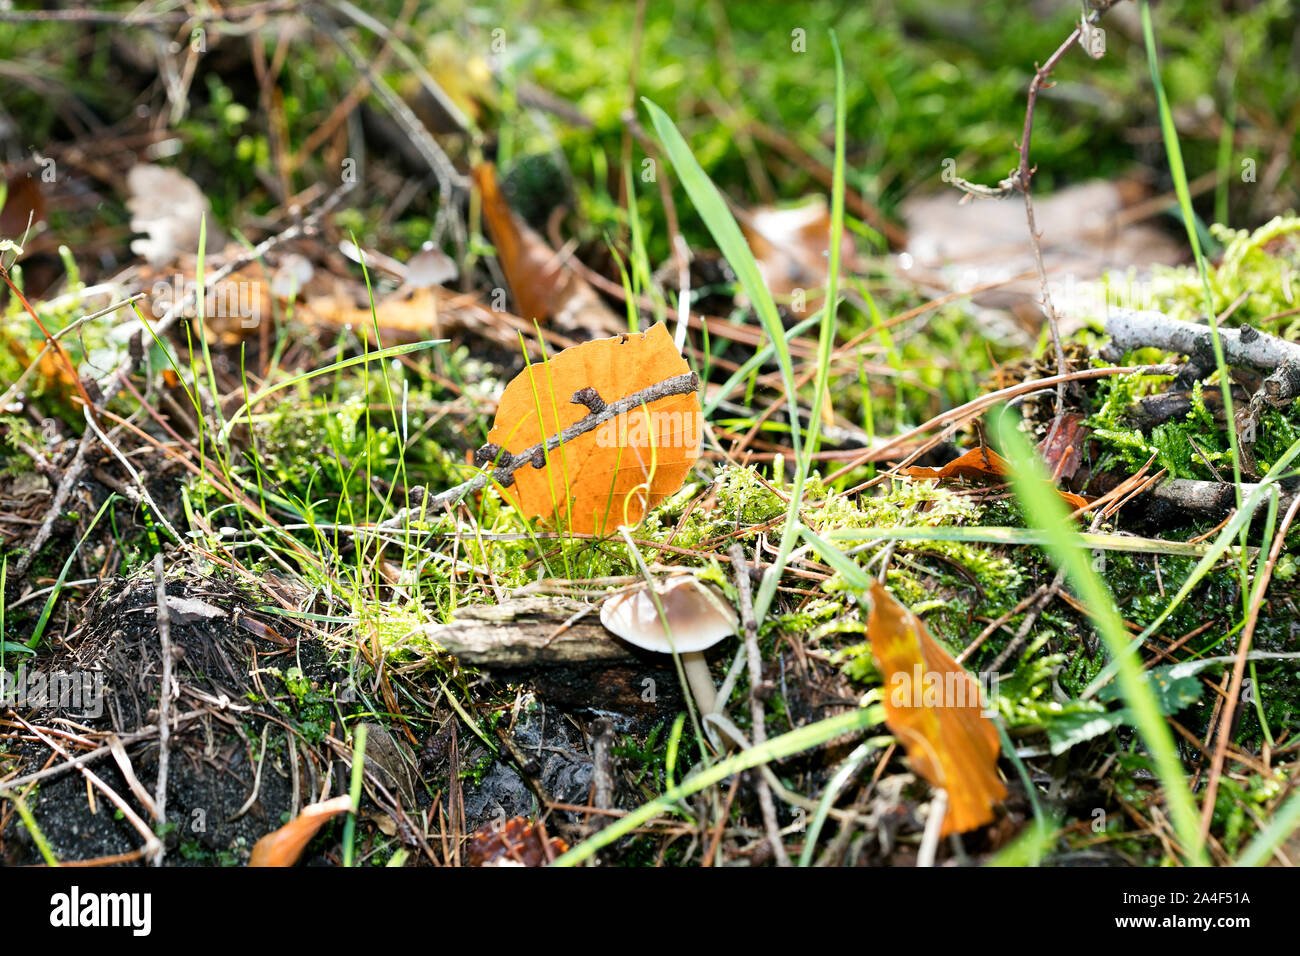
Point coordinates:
pixel 1152 410
pixel 1216 497
pixel 1246 346
pixel 528 631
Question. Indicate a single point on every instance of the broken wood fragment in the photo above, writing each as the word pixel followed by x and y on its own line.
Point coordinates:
pixel 1152 410
pixel 558 648
pixel 1214 497
pixel 528 631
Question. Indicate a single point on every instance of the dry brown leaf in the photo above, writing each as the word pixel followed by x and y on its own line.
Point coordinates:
pixel 981 464
pixel 168 207
pixel 978 464
pixel 543 287
pixel 615 473
pixel 933 706
pixel 790 245
pixel 24 207
pixel 1086 229
pixel 1065 453
pixel 282 847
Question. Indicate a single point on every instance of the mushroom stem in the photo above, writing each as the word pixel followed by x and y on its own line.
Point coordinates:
pixel 700 680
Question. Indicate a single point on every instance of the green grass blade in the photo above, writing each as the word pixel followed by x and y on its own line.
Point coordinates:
pixel 722 225
pixel 1236 527
pixel 1179 173
pixel 354 791
pixel 796 741
pixel 761 355
pixel 1023 536
pixel 44 619
pixel 1045 510
pixel 843 774
pixel 1286 820
pixel 326 369
pixel 731 242
pixel 38 837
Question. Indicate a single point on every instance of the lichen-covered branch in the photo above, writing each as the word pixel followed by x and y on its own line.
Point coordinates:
pixel 1209 497
pixel 1245 347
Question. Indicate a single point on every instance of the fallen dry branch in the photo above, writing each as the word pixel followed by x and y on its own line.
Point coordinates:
pixel 1208 496
pixel 1245 347
pixel 1152 410
pixel 1019 179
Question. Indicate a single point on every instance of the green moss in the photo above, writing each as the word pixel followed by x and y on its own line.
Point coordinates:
pixel 1265 262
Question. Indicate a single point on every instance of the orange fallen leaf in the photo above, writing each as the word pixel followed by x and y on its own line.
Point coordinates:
pixel 282 847
pixel 542 285
pixel 613 474
pixel 55 377
pixel 933 706
pixel 977 464
pixel 981 464
pixel 233 308
pixel 401 317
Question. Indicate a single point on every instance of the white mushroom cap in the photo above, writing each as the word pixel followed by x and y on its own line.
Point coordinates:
pixel 294 273
pixel 697 617
pixel 429 267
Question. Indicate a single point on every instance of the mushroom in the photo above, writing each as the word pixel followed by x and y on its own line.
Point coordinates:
pixel 292 276
pixel 429 267
pixel 696 617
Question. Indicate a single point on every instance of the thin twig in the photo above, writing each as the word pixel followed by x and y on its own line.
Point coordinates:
pixel 1039 604
pixel 451 183
pixel 1238 671
pixel 1019 179
pixel 740 568
pixel 955 416
pixel 164 694
pixel 142 16
pixel 57 770
pixel 152 844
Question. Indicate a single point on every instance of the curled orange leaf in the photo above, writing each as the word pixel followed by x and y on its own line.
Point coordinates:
pixel 613 474
pixel 977 464
pixel 981 464
pixel 282 847
pixel 934 707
